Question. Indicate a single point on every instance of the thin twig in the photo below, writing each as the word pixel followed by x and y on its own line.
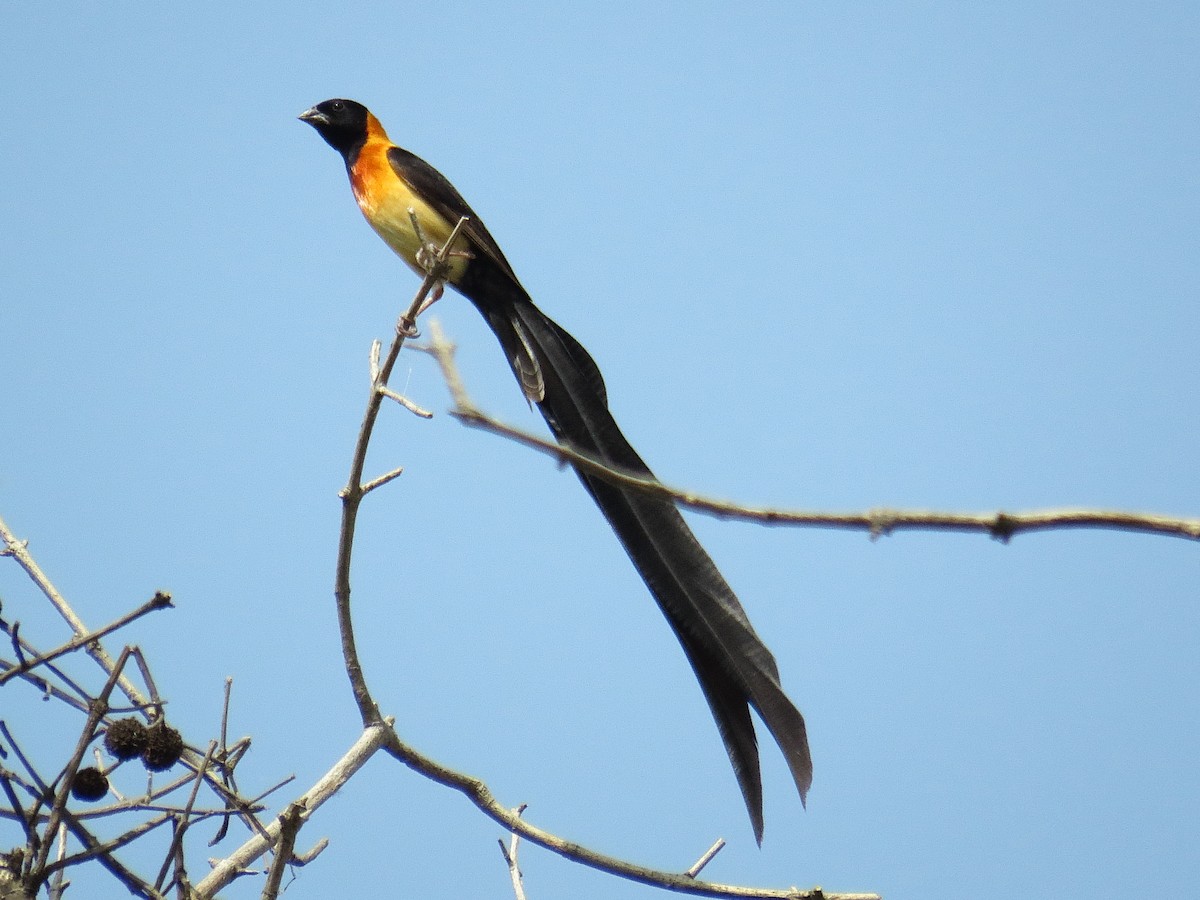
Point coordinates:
pixel 28 824
pixel 159 601
pixel 406 403
pixel 70 692
pixel 227 762
pixel 875 522
pixel 102 852
pixel 152 706
pixel 303 859
pixel 98 709
pixel 704 860
pixel 19 551
pixel 510 858
pixel 59 882
pixel 181 825
pixel 382 480
pixel 183 885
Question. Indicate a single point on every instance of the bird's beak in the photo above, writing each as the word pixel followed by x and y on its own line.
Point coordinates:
pixel 314 117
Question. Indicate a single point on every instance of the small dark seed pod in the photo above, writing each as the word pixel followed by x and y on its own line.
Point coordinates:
pixel 163 747
pixel 89 785
pixel 126 738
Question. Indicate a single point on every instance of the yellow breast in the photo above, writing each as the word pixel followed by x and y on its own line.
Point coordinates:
pixel 386 201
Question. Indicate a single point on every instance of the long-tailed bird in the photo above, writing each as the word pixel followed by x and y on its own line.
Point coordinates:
pixel 735 669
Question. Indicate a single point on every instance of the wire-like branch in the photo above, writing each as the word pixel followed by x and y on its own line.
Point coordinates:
pixel 876 522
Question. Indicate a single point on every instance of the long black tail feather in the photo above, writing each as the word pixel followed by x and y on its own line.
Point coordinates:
pixel 735 669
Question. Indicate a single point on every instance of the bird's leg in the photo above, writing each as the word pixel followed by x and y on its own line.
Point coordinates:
pixel 427 258
pixel 435 294
pixel 427 250
pixel 430 258
pixel 408 326
pixel 429 254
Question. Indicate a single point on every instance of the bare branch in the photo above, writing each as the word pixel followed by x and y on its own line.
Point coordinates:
pixel 99 708
pixel 290 821
pixel 372 739
pixel 704 860
pixel 406 403
pixel 876 522
pixel 181 825
pixel 382 480
pixel 20 552
pixel 354 490
pixel 303 859
pixel 379 731
pixel 481 795
pixel 160 600
pixel 510 858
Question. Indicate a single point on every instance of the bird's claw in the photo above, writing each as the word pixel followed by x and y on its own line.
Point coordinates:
pixel 427 254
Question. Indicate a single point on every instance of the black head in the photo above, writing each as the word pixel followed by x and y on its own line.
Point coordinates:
pixel 343 123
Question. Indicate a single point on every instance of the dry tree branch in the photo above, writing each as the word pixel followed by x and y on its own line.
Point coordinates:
pixel 876 522
pixel 18 811
pixel 59 883
pixel 20 552
pixel 705 858
pixel 48 814
pixel 354 491
pixel 48 688
pixel 174 853
pixel 481 795
pixel 372 738
pixel 150 706
pixel 510 858
pixel 290 821
pixel 95 848
pixel 160 600
pixel 384 734
pixel 102 852
pixel 99 708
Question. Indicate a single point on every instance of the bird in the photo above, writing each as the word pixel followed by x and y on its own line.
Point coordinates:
pixel 414 208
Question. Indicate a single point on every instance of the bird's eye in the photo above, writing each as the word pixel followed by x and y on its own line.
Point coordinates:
pixel 338 105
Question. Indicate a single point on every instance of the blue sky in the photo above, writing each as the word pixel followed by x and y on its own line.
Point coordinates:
pixel 828 256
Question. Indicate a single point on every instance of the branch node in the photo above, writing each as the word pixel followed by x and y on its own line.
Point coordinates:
pixel 1004 527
